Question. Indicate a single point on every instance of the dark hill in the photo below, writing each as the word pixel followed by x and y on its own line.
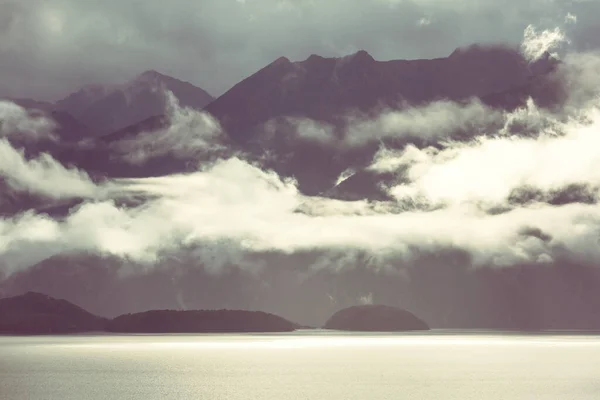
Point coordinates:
pixel 35 313
pixel 375 318
pixel 209 321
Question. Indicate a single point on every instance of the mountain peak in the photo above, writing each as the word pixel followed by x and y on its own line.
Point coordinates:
pixel 151 73
pixel 362 55
pixel 35 295
pixel 151 76
pixel 544 64
pixel 477 49
pixel 130 102
pixel 314 57
pixel 282 60
pixel 361 58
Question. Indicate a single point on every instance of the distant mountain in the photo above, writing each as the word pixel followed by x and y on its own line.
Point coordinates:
pixel 35 313
pixel 106 109
pixel 378 318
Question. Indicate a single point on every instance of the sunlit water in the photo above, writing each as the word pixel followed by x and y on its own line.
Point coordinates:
pixel 304 365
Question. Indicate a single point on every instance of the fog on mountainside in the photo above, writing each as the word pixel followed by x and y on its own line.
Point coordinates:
pixel 464 189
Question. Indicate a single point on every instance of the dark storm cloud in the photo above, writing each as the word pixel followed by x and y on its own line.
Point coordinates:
pixel 50 47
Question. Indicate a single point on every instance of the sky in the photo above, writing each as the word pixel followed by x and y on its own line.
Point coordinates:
pixel 49 48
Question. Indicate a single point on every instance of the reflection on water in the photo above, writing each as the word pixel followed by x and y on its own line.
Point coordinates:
pixel 303 365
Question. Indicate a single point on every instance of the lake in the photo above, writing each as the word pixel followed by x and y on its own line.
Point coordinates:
pixel 302 365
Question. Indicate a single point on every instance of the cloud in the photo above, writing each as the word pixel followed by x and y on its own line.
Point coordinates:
pixel 570 18
pixel 580 74
pixel 225 214
pixel 535 43
pixel 228 213
pixel 15 121
pixel 366 299
pixel 41 175
pixel 488 169
pixel 436 120
pixel 189 134
pixel 431 122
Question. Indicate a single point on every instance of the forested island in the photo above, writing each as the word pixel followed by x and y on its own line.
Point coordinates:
pixel 200 321
pixel 375 318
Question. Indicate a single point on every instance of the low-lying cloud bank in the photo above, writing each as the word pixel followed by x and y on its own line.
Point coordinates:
pixel 432 122
pixel 17 122
pixel 230 211
pixel 41 175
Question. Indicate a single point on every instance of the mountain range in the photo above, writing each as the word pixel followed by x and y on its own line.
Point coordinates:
pixel 295 118
pixel 261 115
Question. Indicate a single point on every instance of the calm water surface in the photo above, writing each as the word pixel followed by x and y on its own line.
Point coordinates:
pixel 304 365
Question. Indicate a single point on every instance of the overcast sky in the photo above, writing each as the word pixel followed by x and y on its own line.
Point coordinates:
pixel 49 48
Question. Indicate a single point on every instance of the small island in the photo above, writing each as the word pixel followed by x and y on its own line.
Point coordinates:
pixel 38 314
pixel 375 318
pixel 200 321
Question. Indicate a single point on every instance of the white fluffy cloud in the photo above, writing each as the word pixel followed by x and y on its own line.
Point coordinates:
pixel 535 43
pixel 17 121
pixel 488 169
pixel 235 209
pixel 41 175
pixel 189 134
pixel 437 120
